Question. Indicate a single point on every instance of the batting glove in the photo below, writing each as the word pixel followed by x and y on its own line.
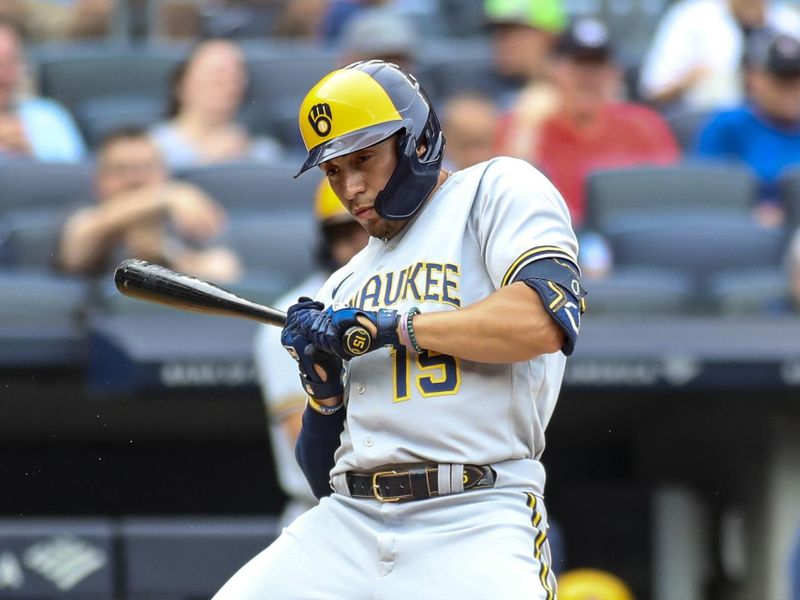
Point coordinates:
pixel 350 332
pixel 320 372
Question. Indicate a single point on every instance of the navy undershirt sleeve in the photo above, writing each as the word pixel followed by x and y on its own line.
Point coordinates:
pixel 316 444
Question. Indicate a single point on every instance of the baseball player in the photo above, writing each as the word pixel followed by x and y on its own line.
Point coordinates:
pixel 340 239
pixel 443 343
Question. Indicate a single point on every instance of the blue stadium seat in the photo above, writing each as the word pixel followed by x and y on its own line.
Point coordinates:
pixel 451 66
pixel 31 238
pixel 764 290
pixel 256 187
pixel 97 117
pixel 32 185
pixel 49 559
pixel 181 559
pixel 667 190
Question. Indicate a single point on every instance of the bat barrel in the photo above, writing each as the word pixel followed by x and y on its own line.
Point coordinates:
pixel 154 283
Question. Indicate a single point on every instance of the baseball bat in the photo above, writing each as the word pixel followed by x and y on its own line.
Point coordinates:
pixel 154 283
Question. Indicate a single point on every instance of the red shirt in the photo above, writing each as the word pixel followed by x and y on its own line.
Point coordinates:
pixel 624 135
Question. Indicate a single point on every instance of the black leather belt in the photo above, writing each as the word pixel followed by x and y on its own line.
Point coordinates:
pixel 402 483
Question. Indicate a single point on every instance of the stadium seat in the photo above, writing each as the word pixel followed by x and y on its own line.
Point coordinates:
pixel 280 75
pixel 449 67
pixel 698 245
pixel 764 290
pixel 256 187
pixel 31 238
pixel 667 190
pixel 640 291
pixel 75 73
pixel 97 117
pixel 686 127
pixel 183 559
pixel 31 185
pixel 46 559
pixel 279 244
pixel 789 186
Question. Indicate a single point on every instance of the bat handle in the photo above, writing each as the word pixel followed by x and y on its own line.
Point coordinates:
pixel 356 340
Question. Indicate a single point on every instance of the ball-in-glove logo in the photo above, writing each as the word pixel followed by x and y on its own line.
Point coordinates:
pixel 357 341
pixel 320 118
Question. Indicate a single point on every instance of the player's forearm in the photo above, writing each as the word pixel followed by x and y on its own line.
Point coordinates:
pixel 511 325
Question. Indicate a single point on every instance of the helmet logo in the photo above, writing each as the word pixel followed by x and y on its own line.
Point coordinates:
pixel 320 118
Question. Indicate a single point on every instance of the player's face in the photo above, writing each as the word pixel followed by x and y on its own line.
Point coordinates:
pixel 358 178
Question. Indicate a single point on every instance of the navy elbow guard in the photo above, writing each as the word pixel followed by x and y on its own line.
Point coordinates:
pixel 558 283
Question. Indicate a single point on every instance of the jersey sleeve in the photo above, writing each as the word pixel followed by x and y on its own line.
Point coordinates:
pixel 519 217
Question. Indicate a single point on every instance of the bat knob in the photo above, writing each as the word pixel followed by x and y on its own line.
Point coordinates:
pixel 357 341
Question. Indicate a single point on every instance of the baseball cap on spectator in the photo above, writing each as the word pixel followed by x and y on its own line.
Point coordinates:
pixel 547 15
pixel 380 33
pixel 776 53
pixel 585 40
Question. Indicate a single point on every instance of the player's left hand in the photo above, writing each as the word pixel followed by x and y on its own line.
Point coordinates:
pixel 340 331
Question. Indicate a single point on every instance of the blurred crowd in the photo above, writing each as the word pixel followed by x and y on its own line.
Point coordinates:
pixel 707 105
pixel 717 81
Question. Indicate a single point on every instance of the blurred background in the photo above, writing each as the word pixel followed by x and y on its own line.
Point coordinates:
pixel 144 453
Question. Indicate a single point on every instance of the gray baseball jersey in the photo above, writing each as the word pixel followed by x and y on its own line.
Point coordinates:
pixel 475 233
pixel 483 225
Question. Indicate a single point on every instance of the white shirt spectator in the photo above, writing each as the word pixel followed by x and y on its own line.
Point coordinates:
pixel 703 35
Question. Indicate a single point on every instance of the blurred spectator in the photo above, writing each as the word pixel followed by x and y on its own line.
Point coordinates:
pixel 794 275
pixel 765 132
pixel 140 213
pixel 522 36
pixel 696 55
pixel 338 14
pixel 382 34
pixel 301 19
pixel 592 584
pixel 591 130
pixel 470 123
pixel 31 127
pixel 50 20
pixel 340 239
pixel 207 92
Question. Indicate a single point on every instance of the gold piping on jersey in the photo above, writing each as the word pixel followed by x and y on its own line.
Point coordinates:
pixel 530 256
pixel 343 101
pixel 544 570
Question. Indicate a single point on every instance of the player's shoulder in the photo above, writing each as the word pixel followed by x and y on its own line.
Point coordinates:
pixel 506 174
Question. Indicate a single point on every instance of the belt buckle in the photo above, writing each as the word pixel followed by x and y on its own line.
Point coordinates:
pixel 376 489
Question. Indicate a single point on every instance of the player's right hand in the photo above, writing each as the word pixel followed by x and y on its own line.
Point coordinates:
pixel 320 372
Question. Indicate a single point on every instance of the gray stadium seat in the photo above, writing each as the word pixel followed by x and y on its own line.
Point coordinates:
pixel 686 127
pixel 185 559
pixel 40 319
pixel 699 245
pixel 75 73
pixel 789 186
pixel 44 559
pixel 257 187
pixel 763 290
pixel 33 185
pixel 274 243
pixel 280 75
pixel 668 190
pixel 32 237
pixel 449 67
pixel 640 291
pixel 97 117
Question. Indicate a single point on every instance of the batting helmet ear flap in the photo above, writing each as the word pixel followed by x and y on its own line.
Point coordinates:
pixel 415 176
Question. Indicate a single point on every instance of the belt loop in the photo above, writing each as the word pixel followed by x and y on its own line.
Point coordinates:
pixel 443 476
pixel 339 483
pixel 456 479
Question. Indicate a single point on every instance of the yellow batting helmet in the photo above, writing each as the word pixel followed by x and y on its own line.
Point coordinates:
pixel 364 104
pixel 328 209
pixel 592 584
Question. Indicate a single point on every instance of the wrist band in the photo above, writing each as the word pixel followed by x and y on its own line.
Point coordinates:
pixel 323 410
pixel 409 328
